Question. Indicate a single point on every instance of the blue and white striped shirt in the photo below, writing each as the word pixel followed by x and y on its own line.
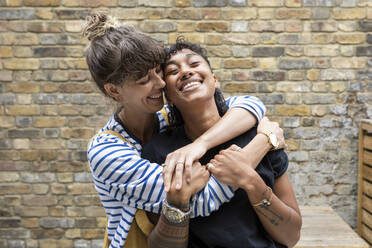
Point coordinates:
pixel 125 182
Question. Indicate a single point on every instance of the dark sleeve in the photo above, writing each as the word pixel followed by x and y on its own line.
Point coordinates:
pixel 279 162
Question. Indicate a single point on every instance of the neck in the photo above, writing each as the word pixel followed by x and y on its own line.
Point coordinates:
pixel 200 118
pixel 142 126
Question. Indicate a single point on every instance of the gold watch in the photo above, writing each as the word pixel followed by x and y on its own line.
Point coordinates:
pixel 173 214
pixel 272 139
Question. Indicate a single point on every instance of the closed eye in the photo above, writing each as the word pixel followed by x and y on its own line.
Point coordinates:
pixel 171 72
pixel 195 63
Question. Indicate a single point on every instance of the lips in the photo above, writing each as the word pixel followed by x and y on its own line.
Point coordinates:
pixel 155 96
pixel 188 84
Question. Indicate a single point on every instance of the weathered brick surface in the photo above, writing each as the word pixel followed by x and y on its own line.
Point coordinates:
pixel 308 60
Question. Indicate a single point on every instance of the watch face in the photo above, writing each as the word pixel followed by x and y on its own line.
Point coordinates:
pixel 174 215
pixel 274 140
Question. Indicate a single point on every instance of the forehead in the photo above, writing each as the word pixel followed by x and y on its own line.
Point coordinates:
pixel 181 55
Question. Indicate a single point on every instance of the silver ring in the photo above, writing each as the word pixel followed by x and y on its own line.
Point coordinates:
pixel 209 165
pixel 163 165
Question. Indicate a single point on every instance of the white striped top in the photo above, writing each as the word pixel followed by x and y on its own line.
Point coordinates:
pixel 125 182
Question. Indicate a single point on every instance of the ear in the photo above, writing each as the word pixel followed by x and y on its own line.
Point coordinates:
pixel 112 90
pixel 216 83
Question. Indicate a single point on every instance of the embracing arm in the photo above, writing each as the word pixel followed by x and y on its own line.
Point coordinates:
pixel 174 235
pixel 243 113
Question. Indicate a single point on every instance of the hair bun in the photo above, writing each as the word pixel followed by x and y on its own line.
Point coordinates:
pixel 97 24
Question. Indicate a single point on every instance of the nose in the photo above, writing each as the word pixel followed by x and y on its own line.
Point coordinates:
pixel 159 82
pixel 186 72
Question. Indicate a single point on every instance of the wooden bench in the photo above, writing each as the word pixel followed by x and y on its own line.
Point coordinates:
pixel 323 227
pixel 365 180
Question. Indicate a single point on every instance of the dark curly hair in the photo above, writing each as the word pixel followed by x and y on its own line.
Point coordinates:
pixel 174 116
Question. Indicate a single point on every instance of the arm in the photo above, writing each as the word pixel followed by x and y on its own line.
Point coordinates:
pixel 168 234
pixel 120 173
pixel 243 115
pixel 281 219
pixel 250 155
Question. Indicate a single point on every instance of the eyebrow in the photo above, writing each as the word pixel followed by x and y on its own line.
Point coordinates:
pixel 173 62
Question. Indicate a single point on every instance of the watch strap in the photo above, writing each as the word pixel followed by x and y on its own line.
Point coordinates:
pixel 174 214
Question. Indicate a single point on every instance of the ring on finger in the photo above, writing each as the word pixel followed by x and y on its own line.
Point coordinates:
pixel 180 162
pixel 163 165
pixel 210 165
pixel 237 149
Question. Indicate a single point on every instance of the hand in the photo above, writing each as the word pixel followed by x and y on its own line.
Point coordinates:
pixel 231 168
pixel 267 126
pixel 181 160
pixel 181 197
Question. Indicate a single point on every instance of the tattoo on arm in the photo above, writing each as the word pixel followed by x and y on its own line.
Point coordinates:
pixel 273 213
pixel 271 220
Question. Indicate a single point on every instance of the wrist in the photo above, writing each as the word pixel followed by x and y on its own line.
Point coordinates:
pixel 204 141
pixel 263 139
pixel 250 181
pixel 183 204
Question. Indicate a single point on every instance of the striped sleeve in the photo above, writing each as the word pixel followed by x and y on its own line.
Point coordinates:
pixel 118 168
pixel 120 172
pixel 211 197
pixel 250 103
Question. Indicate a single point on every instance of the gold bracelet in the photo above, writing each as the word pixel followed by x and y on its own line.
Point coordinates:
pixel 265 202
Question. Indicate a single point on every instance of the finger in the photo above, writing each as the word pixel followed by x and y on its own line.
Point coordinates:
pixel 171 161
pixel 218 157
pixel 179 174
pixel 215 162
pixel 235 148
pixel 167 176
pixel 188 166
pixel 210 167
pixel 222 152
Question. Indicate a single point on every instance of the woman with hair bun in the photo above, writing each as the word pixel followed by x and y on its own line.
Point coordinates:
pixel 125 65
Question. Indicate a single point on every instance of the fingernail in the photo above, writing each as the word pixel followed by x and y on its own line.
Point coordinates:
pixel 178 186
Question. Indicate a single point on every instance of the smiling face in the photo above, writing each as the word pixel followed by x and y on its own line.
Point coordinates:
pixel 188 78
pixel 143 96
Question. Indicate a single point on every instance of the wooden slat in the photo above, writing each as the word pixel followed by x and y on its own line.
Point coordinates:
pixel 367 142
pixel 367 218
pixel 360 178
pixel 367 173
pixel 367 157
pixel 367 203
pixel 366 125
pixel 367 234
pixel 323 227
pixel 367 188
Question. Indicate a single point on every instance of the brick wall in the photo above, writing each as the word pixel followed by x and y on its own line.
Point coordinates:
pixel 309 61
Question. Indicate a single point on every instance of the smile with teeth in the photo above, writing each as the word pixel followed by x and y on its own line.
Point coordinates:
pixel 190 85
pixel 157 96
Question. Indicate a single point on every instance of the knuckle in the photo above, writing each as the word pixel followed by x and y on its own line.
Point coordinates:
pixel 221 153
pixel 217 157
